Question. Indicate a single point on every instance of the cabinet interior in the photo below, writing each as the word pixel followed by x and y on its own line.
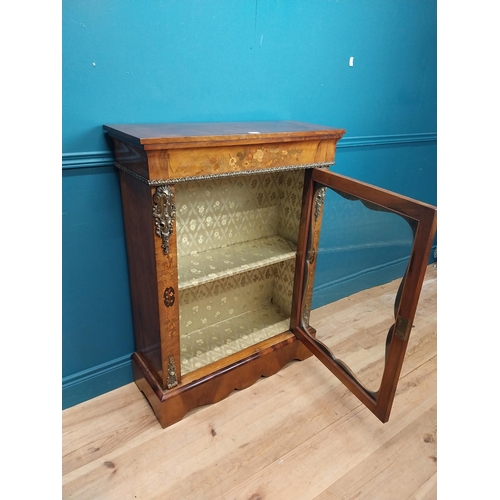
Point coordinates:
pixel 236 244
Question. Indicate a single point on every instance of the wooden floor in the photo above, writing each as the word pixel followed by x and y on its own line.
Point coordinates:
pixel 297 435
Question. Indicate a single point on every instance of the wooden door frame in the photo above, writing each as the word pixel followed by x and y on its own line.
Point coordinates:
pixel 422 218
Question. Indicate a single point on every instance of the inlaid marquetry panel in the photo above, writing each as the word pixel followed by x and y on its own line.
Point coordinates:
pixel 230 159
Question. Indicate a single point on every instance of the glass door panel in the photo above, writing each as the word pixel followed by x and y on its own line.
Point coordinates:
pixel 359 248
pixel 369 237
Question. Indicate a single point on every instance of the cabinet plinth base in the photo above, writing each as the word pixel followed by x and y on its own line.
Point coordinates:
pixel 263 359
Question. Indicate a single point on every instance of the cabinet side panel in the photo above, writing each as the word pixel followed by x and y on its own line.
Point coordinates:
pixel 131 157
pixel 303 280
pixel 139 232
pixel 290 187
pixel 168 298
pixel 317 214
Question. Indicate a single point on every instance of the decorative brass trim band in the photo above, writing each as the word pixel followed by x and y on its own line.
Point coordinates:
pixel 164 214
pixel 164 182
pixel 172 375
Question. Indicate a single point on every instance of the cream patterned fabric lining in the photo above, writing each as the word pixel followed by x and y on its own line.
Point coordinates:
pixel 236 243
pixel 230 336
pixel 221 317
pixel 221 212
pixel 283 285
pixel 219 300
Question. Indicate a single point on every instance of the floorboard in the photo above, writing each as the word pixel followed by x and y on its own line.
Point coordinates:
pixel 299 434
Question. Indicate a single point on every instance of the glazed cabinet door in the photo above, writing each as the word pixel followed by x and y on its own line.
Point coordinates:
pixel 384 231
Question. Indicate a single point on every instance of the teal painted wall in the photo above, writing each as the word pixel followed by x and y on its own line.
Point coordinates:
pixel 227 60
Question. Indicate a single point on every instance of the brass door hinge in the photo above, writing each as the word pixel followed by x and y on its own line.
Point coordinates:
pixel 403 328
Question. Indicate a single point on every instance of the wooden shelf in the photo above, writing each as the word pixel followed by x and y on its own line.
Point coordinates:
pixel 204 346
pixel 199 268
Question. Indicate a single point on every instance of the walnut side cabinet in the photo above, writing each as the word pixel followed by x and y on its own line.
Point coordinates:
pixel 222 224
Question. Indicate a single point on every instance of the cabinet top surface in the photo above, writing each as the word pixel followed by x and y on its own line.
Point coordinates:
pixel 175 133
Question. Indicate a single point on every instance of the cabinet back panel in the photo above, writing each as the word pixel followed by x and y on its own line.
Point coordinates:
pixel 221 212
pixel 236 240
pixel 219 300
